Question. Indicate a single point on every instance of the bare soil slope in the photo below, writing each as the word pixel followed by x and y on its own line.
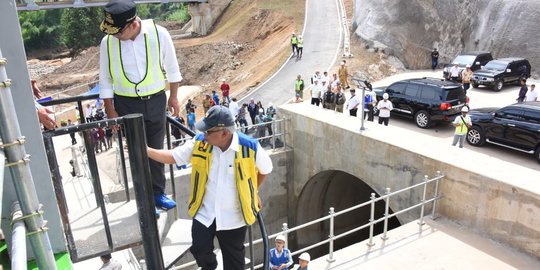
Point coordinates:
pixel 248 43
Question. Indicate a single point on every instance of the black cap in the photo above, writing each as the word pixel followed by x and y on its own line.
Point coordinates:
pixel 217 116
pixel 118 14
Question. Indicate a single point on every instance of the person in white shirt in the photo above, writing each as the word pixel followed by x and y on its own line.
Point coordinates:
pixel 454 73
pixel 228 169
pixel 335 81
pixel 315 90
pixel 135 56
pixel 354 101
pixel 325 78
pixel 384 106
pixel 532 95
pixel 109 264
pixel 233 106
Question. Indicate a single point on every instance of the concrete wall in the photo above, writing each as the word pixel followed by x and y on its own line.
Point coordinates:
pixel 204 15
pixel 496 201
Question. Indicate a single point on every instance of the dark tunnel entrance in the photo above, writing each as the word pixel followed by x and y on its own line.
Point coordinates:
pixel 340 190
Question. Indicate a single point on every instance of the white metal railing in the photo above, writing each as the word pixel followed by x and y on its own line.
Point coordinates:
pixel 278 131
pixel 372 221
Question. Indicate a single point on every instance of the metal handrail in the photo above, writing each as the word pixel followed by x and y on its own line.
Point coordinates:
pixel 372 222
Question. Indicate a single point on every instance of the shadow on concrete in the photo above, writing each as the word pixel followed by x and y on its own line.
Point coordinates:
pixel 340 190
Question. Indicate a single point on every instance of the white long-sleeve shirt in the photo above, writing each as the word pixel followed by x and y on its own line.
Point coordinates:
pixel 134 60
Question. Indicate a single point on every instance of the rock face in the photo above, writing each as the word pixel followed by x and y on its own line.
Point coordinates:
pixel 412 28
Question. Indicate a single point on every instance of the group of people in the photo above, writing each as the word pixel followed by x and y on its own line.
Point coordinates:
pixel 329 92
pixel 281 257
pixel 527 94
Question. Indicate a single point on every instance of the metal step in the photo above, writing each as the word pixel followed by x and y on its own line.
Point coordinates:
pixel 89 231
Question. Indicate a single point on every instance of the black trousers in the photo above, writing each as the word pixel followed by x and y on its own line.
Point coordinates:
pixel 231 243
pixel 352 112
pixel 153 111
pixel 369 113
pixel 384 120
pixel 315 101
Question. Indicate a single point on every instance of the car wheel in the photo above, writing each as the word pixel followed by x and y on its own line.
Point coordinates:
pixel 498 85
pixel 475 85
pixel 422 119
pixel 537 154
pixel 475 136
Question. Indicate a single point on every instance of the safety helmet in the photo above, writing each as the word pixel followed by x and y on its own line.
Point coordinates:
pixel 280 237
pixel 305 256
pixel 465 109
pixel 385 95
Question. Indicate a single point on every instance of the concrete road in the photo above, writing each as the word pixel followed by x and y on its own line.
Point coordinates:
pixel 322 37
pixel 479 97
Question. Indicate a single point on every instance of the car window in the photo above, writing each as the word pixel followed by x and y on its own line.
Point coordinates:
pixel 429 93
pixel 397 88
pixel 464 59
pixel 496 65
pixel 513 114
pixel 454 93
pixel 532 116
pixel 412 90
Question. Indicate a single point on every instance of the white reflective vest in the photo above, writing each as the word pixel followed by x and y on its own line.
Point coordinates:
pixel 153 81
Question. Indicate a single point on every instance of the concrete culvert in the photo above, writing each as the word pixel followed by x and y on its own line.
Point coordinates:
pixel 340 190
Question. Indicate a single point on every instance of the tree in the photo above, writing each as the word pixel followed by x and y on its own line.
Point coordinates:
pixel 40 29
pixel 80 27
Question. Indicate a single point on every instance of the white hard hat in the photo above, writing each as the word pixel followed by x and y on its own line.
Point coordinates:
pixel 385 95
pixel 465 109
pixel 305 256
pixel 468 66
pixel 261 110
pixel 223 80
pixel 270 104
pixel 280 237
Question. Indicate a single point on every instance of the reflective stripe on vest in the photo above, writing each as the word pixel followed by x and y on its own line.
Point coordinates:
pixel 294 40
pixel 245 175
pixel 300 43
pixel 153 80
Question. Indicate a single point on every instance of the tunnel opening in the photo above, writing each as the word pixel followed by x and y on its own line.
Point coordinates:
pixel 340 190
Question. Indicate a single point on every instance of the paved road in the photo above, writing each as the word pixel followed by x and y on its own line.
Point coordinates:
pixel 321 41
pixel 480 97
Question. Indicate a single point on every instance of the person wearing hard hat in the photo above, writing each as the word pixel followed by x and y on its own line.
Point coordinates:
pixel 462 124
pixel 280 256
pixel 384 106
pixel 303 261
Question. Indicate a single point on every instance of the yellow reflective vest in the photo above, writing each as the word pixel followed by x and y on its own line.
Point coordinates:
pixel 153 81
pixel 245 175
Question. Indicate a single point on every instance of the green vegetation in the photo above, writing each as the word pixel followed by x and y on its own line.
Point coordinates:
pixel 78 28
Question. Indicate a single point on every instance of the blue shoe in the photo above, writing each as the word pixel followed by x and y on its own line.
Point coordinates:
pixel 163 202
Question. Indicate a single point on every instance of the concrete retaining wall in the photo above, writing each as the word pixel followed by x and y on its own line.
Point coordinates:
pixel 502 206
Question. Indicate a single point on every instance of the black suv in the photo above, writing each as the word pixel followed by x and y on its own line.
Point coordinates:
pixel 426 100
pixel 475 59
pixel 502 71
pixel 515 126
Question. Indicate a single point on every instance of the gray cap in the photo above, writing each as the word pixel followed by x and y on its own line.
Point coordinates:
pixel 217 116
